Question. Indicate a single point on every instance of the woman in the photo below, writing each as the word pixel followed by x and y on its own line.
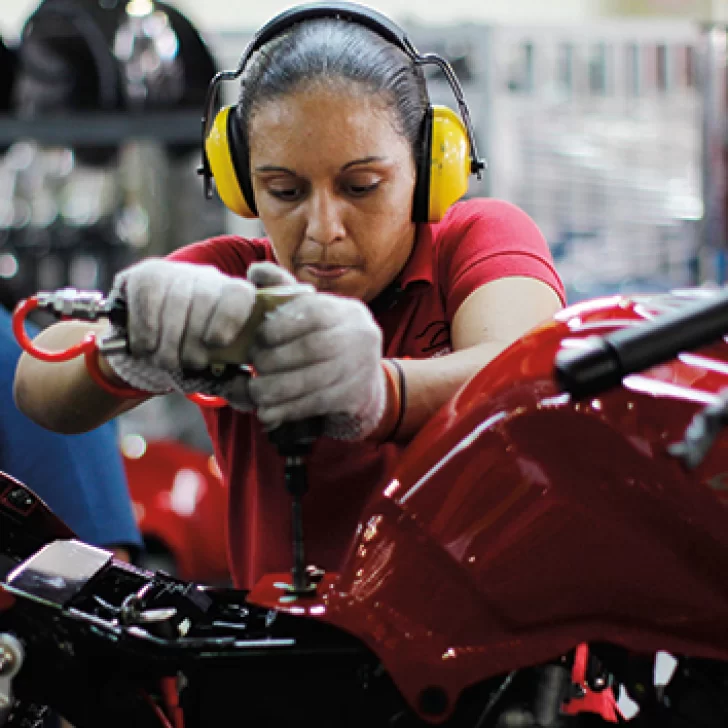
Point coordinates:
pixel 331 117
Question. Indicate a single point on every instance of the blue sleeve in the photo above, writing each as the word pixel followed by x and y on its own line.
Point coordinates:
pixel 80 477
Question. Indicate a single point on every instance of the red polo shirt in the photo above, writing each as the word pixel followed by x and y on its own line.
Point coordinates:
pixel 478 241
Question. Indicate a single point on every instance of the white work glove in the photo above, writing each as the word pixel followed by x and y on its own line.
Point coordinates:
pixel 178 313
pixel 319 354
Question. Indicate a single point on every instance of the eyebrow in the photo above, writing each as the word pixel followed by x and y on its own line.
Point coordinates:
pixel 365 160
pixel 353 163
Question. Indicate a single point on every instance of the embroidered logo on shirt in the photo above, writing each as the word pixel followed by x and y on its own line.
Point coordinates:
pixel 436 337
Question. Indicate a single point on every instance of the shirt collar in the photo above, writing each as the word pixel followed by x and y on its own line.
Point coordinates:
pixel 417 272
pixel 418 268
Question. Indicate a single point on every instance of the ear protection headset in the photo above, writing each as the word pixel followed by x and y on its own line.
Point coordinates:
pixel 447 158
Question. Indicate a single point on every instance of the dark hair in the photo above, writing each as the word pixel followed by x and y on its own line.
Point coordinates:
pixel 331 50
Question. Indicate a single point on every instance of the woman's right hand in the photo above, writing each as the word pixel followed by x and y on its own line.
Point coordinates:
pixel 178 313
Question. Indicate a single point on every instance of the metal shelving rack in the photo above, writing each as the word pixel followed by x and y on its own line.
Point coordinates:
pixel 79 129
pixel 548 105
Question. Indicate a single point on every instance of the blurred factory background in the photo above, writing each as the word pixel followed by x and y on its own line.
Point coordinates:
pixel 604 119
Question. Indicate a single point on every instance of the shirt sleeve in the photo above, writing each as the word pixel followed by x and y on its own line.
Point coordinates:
pixel 485 240
pixel 228 253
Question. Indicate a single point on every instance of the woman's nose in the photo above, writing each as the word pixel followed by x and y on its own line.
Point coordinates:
pixel 325 222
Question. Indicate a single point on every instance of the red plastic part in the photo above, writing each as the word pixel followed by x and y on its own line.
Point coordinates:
pixel 171 699
pixel 520 523
pixel 207 400
pixel 191 528
pixel 158 712
pixel 6 599
pixel 601 702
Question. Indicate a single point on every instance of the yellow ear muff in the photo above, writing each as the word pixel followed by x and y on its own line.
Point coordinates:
pixel 449 161
pixel 222 166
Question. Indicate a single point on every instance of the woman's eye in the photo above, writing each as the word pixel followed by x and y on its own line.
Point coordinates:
pixel 287 195
pixel 359 190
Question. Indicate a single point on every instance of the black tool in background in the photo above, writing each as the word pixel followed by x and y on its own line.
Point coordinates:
pixel 603 361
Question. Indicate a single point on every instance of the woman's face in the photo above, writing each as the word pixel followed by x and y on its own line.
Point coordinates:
pixel 333 182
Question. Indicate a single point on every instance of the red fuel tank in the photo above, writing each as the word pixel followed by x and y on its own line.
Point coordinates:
pixel 521 522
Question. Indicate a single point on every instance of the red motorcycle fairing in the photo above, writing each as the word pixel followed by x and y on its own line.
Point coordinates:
pixel 6 600
pixel 40 525
pixel 520 522
pixel 179 501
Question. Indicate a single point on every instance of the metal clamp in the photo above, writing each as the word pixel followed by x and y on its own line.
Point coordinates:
pixel 702 432
pixel 85 305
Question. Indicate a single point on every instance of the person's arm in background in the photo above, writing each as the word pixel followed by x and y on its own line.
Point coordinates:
pixel 80 477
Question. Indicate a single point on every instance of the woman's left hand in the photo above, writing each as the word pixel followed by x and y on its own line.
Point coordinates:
pixel 318 355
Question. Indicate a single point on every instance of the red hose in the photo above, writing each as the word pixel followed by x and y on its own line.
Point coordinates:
pixel 19 315
pixel 207 400
pixel 171 699
pixel 90 351
pixel 163 720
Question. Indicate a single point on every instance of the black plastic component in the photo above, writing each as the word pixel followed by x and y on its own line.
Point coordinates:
pixel 433 701
pixel 295 439
pixel 20 499
pixel 118 312
pixel 589 370
pixel 606 360
pixel 702 432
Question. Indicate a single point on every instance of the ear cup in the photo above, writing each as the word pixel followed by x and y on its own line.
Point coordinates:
pixel 421 201
pixel 228 160
pixel 450 161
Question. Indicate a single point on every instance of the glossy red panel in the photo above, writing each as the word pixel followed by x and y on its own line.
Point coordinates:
pixel 6 600
pixel 520 523
pixel 181 502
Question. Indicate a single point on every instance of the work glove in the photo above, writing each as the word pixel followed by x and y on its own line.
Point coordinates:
pixel 178 314
pixel 317 355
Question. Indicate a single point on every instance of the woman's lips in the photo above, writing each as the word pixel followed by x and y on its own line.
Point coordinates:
pixel 327 272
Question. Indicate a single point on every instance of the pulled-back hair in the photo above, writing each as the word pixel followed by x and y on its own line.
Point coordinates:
pixel 331 50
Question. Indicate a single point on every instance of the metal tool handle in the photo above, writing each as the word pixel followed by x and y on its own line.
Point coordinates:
pixel 295 439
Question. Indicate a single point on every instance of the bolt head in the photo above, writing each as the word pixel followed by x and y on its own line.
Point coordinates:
pixel 6 660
